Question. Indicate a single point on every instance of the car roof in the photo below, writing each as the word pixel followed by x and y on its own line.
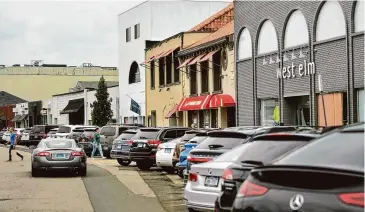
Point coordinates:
pixel 300 136
pixel 165 128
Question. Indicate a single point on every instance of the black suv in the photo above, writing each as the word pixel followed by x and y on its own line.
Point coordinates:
pixel 146 141
pixel 39 132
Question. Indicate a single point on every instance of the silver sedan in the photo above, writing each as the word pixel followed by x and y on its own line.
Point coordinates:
pixel 58 154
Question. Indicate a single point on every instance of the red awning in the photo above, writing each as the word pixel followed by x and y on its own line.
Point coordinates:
pixel 206 57
pixel 221 100
pixel 196 60
pixel 171 112
pixel 194 103
pixel 185 62
pixel 148 60
pixel 159 55
pixel 168 52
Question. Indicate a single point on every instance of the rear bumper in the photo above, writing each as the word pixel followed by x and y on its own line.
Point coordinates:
pixel 143 156
pixel 164 160
pixel 44 164
pixel 119 154
pixel 199 200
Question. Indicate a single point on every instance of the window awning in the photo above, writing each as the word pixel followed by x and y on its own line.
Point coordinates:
pixel 196 60
pixel 23 117
pixel 185 62
pixel 221 100
pixel 171 112
pixel 16 118
pixel 194 103
pixel 148 60
pixel 206 57
pixel 73 106
pixel 159 56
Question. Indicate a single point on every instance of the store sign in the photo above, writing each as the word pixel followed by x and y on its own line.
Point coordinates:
pixel 193 103
pixel 293 71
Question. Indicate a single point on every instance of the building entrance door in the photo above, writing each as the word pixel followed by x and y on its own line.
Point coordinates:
pixel 298 110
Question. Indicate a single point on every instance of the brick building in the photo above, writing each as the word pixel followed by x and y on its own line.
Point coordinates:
pixel 284 47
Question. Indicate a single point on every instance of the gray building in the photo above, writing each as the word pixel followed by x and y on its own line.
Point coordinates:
pixel 283 48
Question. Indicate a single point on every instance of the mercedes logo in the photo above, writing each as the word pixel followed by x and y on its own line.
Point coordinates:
pixel 209 171
pixel 296 202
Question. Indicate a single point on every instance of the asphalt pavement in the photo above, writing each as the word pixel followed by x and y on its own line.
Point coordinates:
pixel 99 191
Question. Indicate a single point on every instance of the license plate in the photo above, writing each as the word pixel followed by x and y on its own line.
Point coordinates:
pixel 60 155
pixel 211 181
pixel 167 150
pixel 140 145
pixel 119 146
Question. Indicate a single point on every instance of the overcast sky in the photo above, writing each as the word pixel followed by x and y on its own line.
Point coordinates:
pixel 69 33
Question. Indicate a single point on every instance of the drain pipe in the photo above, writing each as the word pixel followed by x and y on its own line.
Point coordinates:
pixel 85 108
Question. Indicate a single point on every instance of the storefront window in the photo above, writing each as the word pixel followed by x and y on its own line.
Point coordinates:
pixel 270 112
pixel 193 119
pixel 360 105
pixel 214 116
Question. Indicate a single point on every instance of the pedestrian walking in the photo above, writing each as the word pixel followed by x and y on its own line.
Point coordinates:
pixel 12 142
pixel 97 144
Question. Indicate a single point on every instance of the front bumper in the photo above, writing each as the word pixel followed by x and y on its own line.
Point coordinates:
pixel 41 163
pixel 120 154
pixel 199 200
pixel 143 156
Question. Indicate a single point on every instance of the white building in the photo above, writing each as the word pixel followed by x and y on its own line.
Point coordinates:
pixel 21 115
pixel 142 26
pixel 69 108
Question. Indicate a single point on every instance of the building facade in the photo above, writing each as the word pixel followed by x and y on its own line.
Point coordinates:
pixel 288 53
pixel 39 83
pixel 74 107
pixel 160 20
pixel 164 79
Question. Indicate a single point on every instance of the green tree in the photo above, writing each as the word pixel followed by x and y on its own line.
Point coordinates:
pixel 101 108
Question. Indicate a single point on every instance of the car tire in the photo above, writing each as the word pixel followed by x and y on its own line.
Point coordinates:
pixel 35 172
pixel 144 166
pixel 82 172
pixel 124 162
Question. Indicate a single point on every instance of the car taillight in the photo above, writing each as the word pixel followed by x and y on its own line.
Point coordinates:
pixel 249 189
pixel 193 177
pixel 43 154
pixel 130 142
pixel 199 160
pixel 44 135
pixel 228 174
pixel 154 142
pixel 356 199
pixel 77 153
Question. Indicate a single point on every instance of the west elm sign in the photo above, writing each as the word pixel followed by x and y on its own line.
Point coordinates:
pixel 291 71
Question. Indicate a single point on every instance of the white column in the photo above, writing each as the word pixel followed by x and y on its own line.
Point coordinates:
pixel 85 108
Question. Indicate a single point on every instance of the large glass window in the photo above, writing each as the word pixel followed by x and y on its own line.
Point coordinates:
pixel 269 112
pixel 360 105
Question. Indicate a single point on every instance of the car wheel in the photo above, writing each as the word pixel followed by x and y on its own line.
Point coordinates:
pixel 83 172
pixel 35 172
pixel 124 162
pixel 144 166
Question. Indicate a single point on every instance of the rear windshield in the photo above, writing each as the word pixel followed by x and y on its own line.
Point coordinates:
pixel 64 129
pixel 146 134
pixel 78 130
pixel 175 141
pixel 90 130
pixel 52 132
pixel 187 137
pixel 108 131
pixel 262 151
pixel 197 139
pixel 126 135
pixel 37 129
pixel 220 142
pixel 59 144
pixel 26 131
pixel 340 150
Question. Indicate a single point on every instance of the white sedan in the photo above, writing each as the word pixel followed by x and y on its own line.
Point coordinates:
pixel 166 154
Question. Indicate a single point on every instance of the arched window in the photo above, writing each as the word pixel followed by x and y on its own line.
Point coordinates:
pixel 134 75
pixel 359 16
pixel 267 41
pixel 296 31
pixel 330 21
pixel 244 45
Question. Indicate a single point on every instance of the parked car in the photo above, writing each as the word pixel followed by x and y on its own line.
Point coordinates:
pixel 65 130
pixel 86 140
pixel 52 133
pixel 121 147
pixel 58 154
pixel 109 133
pixel 325 175
pixel 6 136
pixel 76 134
pixel 18 132
pixel 39 132
pixel 231 169
pixel 166 155
pixel 188 136
pixel 191 144
pixel 2 132
pixel 146 141
pixel 25 136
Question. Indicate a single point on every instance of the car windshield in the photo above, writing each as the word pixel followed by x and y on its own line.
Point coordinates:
pixel 52 132
pixel 175 141
pixel 108 131
pixel 126 135
pixel 64 129
pixel 55 144
pixel 346 152
pixel 197 139
pixel 222 140
pixel 37 129
pixel 146 134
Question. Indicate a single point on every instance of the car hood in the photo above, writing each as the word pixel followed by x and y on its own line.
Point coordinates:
pixel 210 168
